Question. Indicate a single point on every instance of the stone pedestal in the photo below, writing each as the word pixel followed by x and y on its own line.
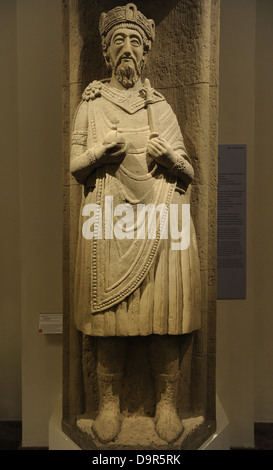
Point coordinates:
pixel 219 440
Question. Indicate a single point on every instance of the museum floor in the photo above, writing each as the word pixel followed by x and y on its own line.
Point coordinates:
pixel 10 436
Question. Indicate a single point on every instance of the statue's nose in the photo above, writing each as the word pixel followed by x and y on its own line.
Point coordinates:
pixel 127 49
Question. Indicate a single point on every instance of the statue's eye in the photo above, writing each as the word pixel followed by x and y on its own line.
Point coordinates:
pixel 135 42
pixel 119 40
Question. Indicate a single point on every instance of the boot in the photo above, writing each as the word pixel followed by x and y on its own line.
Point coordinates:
pixel 164 354
pixel 108 423
pixel 167 423
pixel 111 360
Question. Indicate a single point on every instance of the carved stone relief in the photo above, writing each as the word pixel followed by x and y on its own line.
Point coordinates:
pixel 140 155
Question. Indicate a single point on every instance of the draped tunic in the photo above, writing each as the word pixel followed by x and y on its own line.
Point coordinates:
pixel 131 285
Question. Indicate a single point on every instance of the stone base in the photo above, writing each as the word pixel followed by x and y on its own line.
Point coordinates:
pixel 139 433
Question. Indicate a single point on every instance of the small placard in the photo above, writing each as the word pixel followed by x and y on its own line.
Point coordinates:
pixel 50 323
pixel 231 253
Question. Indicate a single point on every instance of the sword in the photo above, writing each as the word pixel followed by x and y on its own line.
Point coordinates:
pixel 149 100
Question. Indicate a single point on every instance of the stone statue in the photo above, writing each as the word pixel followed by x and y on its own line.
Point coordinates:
pixel 131 278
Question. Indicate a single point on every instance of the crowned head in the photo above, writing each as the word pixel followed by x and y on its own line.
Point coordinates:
pixel 126 36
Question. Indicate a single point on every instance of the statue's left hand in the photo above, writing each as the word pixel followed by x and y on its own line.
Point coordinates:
pixel 161 151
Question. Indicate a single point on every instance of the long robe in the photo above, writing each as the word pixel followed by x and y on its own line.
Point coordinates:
pixel 136 285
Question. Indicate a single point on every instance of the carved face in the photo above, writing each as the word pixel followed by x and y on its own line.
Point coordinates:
pixel 126 56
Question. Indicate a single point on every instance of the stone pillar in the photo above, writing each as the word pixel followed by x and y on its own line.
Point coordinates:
pixel 183 66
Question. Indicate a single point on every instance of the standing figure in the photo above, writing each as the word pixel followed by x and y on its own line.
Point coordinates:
pixel 131 279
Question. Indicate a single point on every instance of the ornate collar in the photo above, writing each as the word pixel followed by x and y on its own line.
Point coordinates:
pixel 131 102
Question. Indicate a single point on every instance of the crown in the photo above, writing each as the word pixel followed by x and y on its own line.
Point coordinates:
pixel 126 14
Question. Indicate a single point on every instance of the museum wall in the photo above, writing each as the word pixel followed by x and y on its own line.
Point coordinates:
pixel 235 318
pixel 263 220
pixel 10 272
pixel 244 333
pixel 39 118
pixel 31 214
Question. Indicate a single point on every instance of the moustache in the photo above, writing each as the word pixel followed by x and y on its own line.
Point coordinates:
pixel 126 57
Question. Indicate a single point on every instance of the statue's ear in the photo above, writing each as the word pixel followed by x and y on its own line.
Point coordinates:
pixel 144 60
pixel 105 54
pixel 107 60
pixel 152 26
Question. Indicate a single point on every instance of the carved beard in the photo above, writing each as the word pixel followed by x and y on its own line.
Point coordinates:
pixel 127 73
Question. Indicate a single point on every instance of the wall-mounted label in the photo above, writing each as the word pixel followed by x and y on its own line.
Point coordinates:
pixel 50 323
pixel 231 250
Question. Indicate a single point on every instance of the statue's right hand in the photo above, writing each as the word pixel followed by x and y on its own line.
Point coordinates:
pixel 112 152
